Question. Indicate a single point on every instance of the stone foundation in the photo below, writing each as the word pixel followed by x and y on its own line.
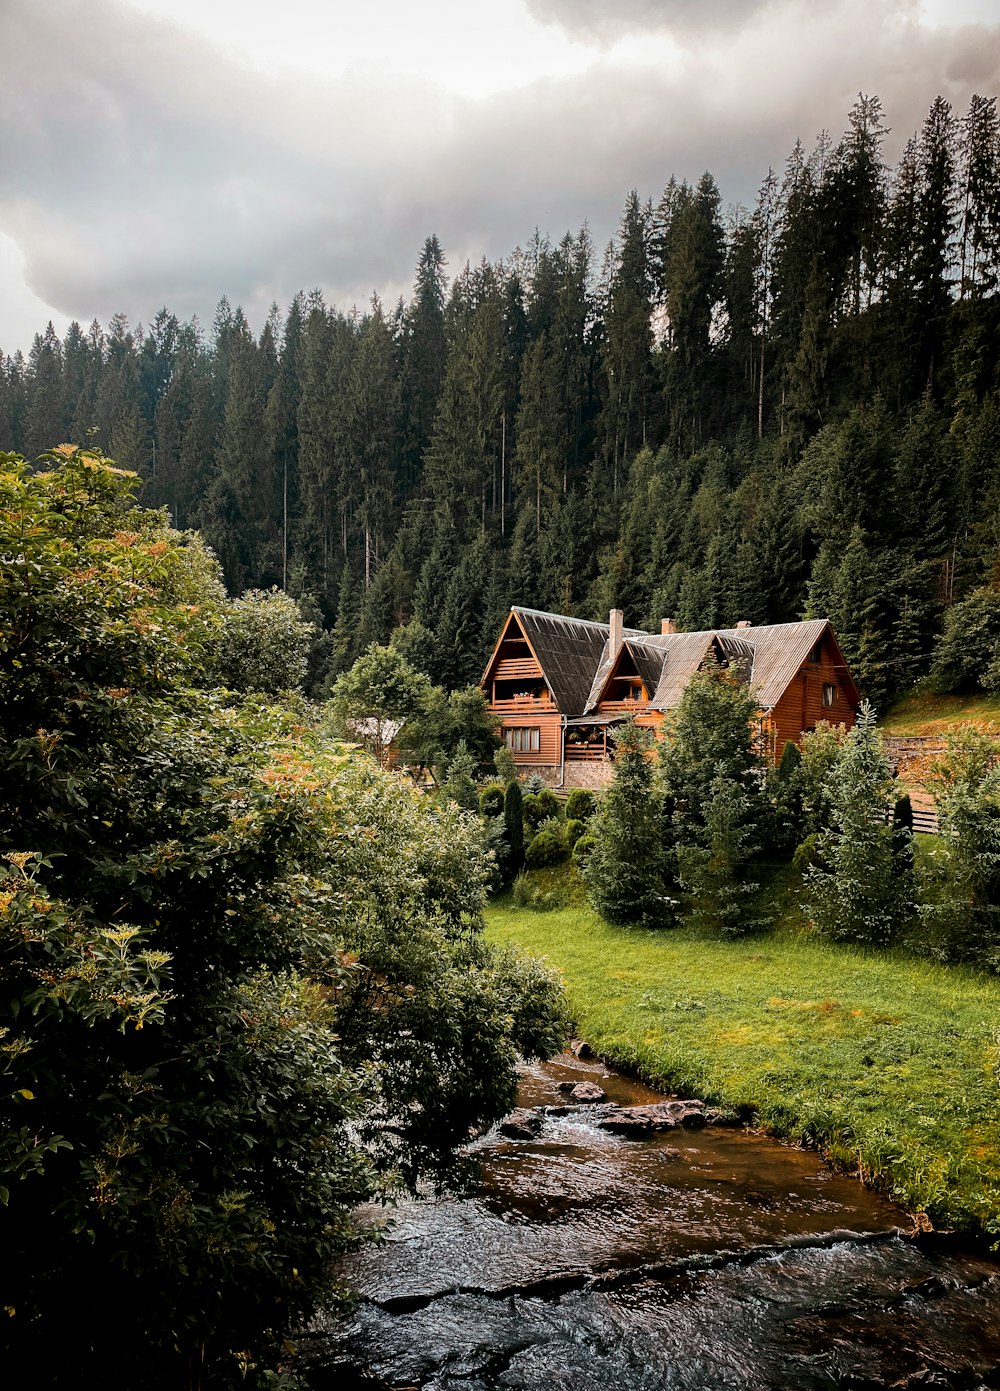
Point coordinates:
pixel 593 776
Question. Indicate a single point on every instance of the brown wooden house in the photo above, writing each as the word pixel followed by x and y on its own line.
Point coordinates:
pixel 559 685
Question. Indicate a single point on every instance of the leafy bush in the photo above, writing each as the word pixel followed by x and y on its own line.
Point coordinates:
pixel 545 849
pixel 582 849
pixel 264 645
pixel 491 799
pixel 580 805
pixel 211 923
pixel 525 894
pixel 541 806
pixel 572 832
pixel 513 827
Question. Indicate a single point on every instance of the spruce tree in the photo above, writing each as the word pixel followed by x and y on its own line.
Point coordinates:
pixel 625 870
pixel 855 894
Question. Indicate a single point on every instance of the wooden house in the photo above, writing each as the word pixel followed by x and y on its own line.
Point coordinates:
pixel 559 685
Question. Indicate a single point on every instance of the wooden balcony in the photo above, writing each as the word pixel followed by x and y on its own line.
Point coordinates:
pixel 524 705
pixel 585 753
pixel 517 669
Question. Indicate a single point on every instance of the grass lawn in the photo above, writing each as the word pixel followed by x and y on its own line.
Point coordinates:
pixel 926 713
pixel 887 1063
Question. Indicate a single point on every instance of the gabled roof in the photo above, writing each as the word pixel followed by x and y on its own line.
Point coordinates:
pixel 666 662
pixel 575 656
pixel 568 650
pixel 779 649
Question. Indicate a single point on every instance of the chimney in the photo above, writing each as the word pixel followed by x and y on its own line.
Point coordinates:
pixel 616 622
pixel 744 623
pixel 667 626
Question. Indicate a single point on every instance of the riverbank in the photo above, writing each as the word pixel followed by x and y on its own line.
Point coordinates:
pixel 887 1064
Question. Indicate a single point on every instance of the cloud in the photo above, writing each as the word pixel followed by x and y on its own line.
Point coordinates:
pixel 151 168
pixel 597 20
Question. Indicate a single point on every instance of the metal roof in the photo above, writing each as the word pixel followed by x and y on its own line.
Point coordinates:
pixel 575 657
pixel 569 650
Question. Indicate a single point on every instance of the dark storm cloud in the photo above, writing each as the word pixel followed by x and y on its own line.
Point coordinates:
pixel 151 169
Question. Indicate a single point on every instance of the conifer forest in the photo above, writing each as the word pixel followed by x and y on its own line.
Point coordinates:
pixel 729 413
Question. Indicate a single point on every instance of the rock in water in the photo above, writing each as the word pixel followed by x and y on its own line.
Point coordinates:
pixel 588 1091
pixel 521 1125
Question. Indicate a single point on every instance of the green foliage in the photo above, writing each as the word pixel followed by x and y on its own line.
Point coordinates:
pixel 544 849
pixel 264 644
pixel 533 783
pixel 822 750
pixel 491 799
pixel 580 805
pixel 961 918
pixel 714 869
pixel 624 870
pixel 582 849
pixel 513 825
pixel 459 783
pixel 442 723
pixel 967 657
pixel 541 806
pixel 245 987
pixel 711 736
pixel 503 761
pixel 785 790
pixel 377 696
pixel 572 831
pixel 855 891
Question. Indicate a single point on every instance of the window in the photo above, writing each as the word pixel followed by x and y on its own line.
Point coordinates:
pixel 829 695
pixel 523 740
pixel 816 655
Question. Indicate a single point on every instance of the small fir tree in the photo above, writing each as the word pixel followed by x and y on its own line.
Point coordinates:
pixel 855 893
pixel 625 870
pixel 714 871
pixel 962 920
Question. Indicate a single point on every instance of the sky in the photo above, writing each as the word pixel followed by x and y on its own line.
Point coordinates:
pixel 170 151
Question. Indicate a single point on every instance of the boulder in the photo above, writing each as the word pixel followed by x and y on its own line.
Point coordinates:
pixel 589 1092
pixel 579 1049
pixel 521 1125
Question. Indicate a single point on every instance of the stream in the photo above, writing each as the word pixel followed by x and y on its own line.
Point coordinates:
pixel 701 1259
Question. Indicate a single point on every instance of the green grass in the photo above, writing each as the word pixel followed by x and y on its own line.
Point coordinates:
pixel 923 712
pixel 886 1063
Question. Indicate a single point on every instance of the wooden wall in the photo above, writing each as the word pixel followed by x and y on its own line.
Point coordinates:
pixel 549 725
pixel 801 708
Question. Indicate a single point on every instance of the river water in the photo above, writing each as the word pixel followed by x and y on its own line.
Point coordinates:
pixel 691 1260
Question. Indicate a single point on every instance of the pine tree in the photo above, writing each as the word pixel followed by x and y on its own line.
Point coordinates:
pixel 625 869
pixel 855 893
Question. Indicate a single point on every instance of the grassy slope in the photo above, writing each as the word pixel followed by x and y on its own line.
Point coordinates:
pixel 890 1065
pixel 926 713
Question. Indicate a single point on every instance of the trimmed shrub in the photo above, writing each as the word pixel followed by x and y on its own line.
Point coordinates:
pixel 582 850
pixel 580 805
pixel 513 827
pixel 491 799
pixel 545 849
pixel 574 829
pixel 540 806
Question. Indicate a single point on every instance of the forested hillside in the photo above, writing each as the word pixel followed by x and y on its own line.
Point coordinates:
pixel 731 415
